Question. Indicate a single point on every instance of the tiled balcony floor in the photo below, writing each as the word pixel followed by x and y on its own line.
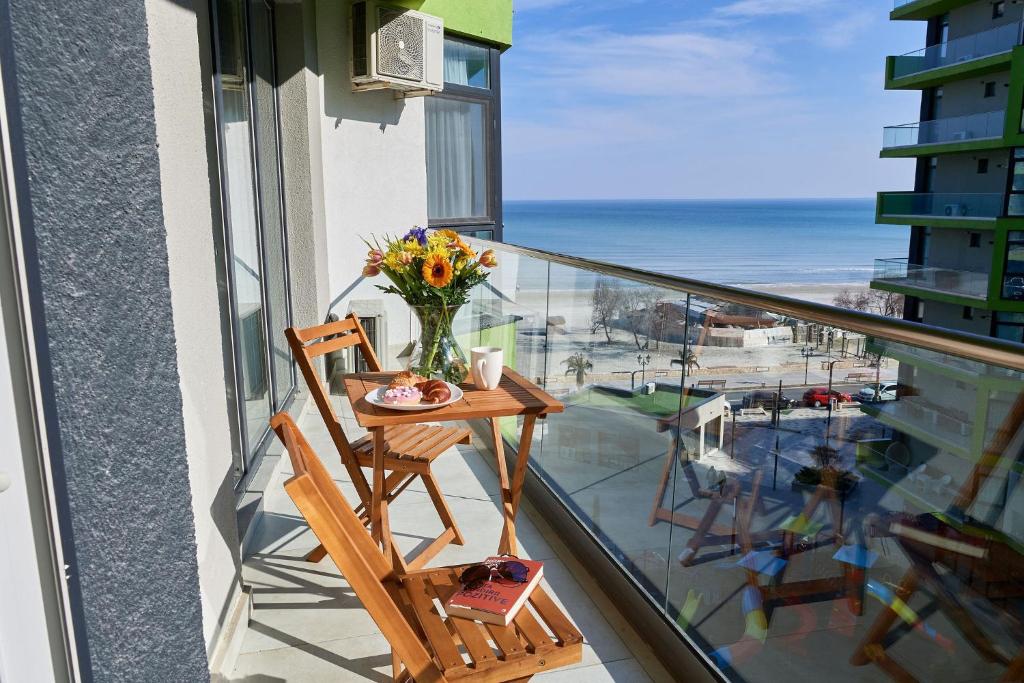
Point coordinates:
pixel 307 625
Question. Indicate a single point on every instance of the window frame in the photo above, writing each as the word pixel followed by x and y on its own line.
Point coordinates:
pixel 1010 242
pixel 490 98
pixel 250 452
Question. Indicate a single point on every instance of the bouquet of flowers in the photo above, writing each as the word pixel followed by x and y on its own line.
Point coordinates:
pixel 434 273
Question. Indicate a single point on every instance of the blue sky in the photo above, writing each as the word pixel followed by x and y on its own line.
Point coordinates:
pixel 609 99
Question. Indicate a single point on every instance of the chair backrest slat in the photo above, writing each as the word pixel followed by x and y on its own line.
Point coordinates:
pixel 350 333
pixel 348 543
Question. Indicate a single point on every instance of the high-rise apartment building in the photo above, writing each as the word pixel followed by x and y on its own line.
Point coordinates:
pixel 965 266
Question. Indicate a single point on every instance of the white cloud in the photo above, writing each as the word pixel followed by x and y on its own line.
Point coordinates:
pixel 763 8
pixel 527 5
pixel 672 64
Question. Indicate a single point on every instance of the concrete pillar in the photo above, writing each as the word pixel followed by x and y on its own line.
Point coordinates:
pixel 87 173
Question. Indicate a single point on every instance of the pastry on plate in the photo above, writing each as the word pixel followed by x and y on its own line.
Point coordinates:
pixel 434 391
pixel 402 396
pixel 406 379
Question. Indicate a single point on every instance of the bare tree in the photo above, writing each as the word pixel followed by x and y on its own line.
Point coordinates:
pixel 876 301
pixel 640 310
pixel 606 301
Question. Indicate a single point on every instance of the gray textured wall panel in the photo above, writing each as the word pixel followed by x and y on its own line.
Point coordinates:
pixel 91 176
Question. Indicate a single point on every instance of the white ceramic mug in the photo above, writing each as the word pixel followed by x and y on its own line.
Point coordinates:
pixel 486 362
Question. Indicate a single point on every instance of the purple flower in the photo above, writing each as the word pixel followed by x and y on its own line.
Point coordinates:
pixel 419 234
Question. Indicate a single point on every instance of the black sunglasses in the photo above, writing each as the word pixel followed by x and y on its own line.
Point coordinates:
pixel 476 575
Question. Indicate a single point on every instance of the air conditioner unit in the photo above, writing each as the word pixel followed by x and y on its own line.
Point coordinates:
pixel 956 210
pixel 396 48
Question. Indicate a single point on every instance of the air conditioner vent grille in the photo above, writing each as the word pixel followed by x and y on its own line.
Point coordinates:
pixel 400 45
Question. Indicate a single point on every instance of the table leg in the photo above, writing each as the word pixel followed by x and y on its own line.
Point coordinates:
pixel 511 491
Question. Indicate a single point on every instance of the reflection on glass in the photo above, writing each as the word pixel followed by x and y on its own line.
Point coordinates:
pixel 456 158
pixel 797 498
pixel 466 64
pixel 270 197
pixel 236 131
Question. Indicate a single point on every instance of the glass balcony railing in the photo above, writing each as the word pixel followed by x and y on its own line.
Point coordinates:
pixel 942 204
pixel 900 272
pixel 955 129
pixel 958 50
pixel 798 488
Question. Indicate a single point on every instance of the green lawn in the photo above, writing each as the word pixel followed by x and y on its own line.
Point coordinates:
pixel 659 404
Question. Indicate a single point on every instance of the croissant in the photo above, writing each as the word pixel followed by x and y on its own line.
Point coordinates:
pixel 434 391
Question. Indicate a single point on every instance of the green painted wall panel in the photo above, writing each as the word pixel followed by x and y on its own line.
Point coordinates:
pixel 926 9
pixel 487 20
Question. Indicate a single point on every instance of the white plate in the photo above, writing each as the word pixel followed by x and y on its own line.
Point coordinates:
pixel 377 398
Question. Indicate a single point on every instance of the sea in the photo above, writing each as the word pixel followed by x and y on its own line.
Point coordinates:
pixel 735 242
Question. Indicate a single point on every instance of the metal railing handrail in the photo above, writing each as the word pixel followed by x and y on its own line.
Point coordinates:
pixel 962 40
pixel 966 345
pixel 945 119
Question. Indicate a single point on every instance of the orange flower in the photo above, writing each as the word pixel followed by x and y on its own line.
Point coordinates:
pixel 488 259
pixel 437 270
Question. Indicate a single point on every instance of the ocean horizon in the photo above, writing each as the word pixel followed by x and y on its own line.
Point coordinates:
pixel 729 241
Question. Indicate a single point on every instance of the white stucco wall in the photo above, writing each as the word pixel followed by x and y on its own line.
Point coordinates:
pixel 181 133
pixel 375 174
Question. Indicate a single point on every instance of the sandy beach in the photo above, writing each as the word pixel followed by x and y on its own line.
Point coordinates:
pixel 615 361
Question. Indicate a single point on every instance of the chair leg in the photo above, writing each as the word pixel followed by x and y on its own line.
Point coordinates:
pixel 316 554
pixel 442 507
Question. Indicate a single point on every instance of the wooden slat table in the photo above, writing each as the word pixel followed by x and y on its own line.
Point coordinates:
pixel 514 396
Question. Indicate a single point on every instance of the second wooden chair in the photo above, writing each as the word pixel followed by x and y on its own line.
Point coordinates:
pixel 410 448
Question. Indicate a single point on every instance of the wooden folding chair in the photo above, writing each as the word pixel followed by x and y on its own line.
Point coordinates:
pixel 426 644
pixel 410 448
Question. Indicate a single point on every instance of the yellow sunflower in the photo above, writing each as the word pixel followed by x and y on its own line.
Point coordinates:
pixel 437 270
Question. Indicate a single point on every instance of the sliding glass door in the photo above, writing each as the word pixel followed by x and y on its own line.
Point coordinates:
pixel 253 216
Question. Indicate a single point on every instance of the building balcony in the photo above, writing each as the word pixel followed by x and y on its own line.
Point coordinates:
pixel 960 58
pixel 898 275
pixel 954 134
pixel 638 480
pixel 941 209
pixel 923 9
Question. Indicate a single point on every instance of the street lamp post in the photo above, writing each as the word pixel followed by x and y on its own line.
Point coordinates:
pixel 643 360
pixel 828 422
pixel 806 352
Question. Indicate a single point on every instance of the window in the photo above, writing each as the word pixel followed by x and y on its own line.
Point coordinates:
pixel 1015 198
pixel 464 143
pixel 974 239
pixel 990 89
pixel 1013 266
pixel 247 119
pixel 968 313
pixel 1009 326
pixel 998 9
pixel 982 165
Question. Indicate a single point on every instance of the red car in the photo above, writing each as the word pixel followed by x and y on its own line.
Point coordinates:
pixel 818 396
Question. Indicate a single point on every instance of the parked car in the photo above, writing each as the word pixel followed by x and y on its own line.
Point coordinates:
pixel 1014 288
pixel 819 396
pixel 766 399
pixel 881 391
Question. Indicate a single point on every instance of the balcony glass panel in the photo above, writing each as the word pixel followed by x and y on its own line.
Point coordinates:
pixel 946 280
pixel 774 485
pixel 955 129
pixel 958 50
pixel 942 204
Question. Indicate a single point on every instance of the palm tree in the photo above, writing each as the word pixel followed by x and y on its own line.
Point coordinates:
pixel 579 364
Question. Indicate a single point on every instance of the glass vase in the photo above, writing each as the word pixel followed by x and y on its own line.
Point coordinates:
pixel 439 355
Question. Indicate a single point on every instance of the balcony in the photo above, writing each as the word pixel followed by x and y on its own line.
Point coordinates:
pixel 669 475
pixel 955 134
pixel 900 276
pixel 923 9
pixel 941 209
pixel 965 57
